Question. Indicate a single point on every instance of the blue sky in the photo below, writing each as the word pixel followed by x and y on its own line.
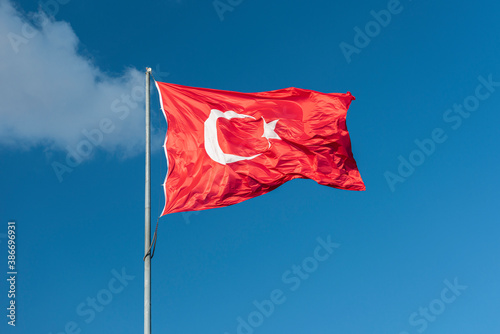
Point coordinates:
pixel 416 253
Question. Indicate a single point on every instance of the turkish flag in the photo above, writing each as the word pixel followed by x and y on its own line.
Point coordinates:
pixel 225 147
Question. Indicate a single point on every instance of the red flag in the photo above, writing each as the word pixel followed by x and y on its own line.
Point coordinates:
pixel 225 147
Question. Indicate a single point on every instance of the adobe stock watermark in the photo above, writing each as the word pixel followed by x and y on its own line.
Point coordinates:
pixel 223 6
pixel 454 117
pixel 121 108
pixel 372 29
pixel 88 309
pixel 186 216
pixel 292 278
pixel 49 8
pixel 11 273
pixel 420 319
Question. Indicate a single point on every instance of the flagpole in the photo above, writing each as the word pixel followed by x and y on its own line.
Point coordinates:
pixel 147 235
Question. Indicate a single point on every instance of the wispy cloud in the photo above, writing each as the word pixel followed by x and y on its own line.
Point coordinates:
pixel 51 95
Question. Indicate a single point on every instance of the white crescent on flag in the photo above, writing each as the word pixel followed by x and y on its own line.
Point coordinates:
pixel 212 146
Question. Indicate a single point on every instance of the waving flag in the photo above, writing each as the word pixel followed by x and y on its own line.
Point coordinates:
pixel 225 147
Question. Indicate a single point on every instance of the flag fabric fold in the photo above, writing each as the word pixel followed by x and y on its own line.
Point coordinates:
pixel 225 147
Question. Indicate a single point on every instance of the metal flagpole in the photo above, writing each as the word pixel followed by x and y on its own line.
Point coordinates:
pixel 147 236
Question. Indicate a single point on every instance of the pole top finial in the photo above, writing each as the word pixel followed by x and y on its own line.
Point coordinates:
pixel 148 70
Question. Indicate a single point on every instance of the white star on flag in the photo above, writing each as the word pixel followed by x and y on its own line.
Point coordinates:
pixel 269 130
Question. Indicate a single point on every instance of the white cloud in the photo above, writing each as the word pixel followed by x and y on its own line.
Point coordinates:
pixel 50 94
